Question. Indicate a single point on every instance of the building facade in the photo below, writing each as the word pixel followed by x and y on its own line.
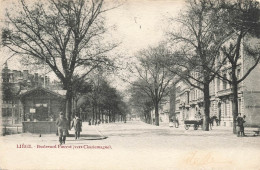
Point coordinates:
pixel 41 104
pixel 15 82
pixel 189 100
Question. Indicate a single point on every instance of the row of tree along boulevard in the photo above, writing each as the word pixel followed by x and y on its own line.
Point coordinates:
pixel 68 36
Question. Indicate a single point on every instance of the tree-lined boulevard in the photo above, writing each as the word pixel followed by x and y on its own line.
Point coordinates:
pixel 209 52
pixel 70 38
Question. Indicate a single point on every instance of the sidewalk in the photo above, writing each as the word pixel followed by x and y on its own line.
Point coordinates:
pixel 88 133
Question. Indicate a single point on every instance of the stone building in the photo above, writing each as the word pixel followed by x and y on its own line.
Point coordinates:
pixel 13 83
pixel 189 100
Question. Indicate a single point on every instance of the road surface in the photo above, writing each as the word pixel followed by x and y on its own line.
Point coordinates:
pixel 132 145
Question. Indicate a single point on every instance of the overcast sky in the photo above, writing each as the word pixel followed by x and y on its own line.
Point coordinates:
pixel 141 24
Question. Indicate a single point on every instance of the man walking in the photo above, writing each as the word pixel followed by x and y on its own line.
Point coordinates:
pixel 62 124
pixel 77 124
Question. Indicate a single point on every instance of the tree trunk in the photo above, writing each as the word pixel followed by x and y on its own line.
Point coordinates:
pixel 102 115
pixel 109 116
pixel 93 113
pixel 156 113
pixel 206 107
pixel 96 114
pixel 68 104
pixel 99 113
pixel 172 114
pixel 76 102
pixel 235 99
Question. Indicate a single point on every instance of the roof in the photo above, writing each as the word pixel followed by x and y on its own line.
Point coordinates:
pixel 60 93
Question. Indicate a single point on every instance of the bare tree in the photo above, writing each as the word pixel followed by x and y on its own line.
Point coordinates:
pixel 141 103
pixel 199 40
pixel 66 35
pixel 153 78
pixel 243 17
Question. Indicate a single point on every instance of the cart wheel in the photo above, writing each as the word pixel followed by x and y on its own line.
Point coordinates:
pixel 186 127
pixel 195 127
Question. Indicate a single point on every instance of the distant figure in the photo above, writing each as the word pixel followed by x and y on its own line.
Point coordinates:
pixel 211 121
pixel 89 122
pixel 239 120
pixel 62 124
pixel 77 124
pixel 176 121
pixel 217 121
pixel 199 114
pixel 243 127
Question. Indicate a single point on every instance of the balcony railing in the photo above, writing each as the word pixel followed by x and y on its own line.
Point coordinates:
pixel 225 92
pixel 228 91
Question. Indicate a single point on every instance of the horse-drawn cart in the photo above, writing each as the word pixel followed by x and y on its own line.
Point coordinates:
pixel 194 123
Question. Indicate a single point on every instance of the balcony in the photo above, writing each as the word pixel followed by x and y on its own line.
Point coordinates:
pixel 225 92
pixel 228 91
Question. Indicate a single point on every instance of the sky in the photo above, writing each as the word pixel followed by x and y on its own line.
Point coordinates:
pixel 142 23
pixel 139 24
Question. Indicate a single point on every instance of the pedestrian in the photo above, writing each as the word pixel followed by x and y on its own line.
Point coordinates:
pixel 176 121
pixel 239 120
pixel 242 126
pixel 217 121
pixel 77 124
pixel 62 124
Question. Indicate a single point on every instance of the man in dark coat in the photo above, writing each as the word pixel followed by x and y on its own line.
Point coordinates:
pixel 62 124
pixel 242 126
pixel 239 120
pixel 77 124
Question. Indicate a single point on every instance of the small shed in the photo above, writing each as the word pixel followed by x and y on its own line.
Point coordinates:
pixel 42 105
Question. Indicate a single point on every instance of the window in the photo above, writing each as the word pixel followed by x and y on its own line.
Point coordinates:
pixel 225 108
pixel 7 112
pixel 224 82
pixel 238 74
pixel 218 84
pixel 38 105
pixel 239 105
